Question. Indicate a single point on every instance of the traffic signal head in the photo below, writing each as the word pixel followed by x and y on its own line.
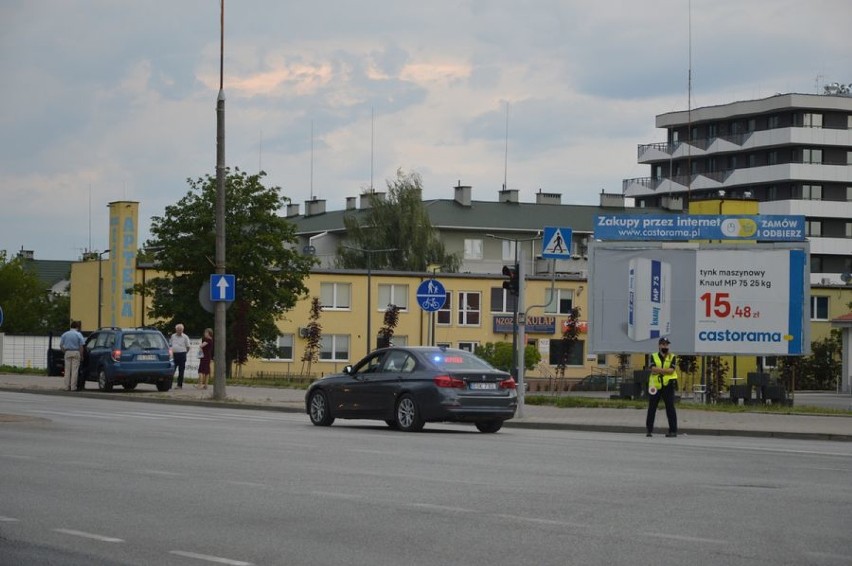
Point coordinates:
pixel 512 285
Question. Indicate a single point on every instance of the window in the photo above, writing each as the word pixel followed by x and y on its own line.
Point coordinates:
pixel 849 229
pixel 813 228
pixel 468 346
pixel 676 136
pixel 601 359
pixel 399 340
pixel 334 348
pixel 848 194
pixel 443 345
pixel 509 250
pixel 812 120
pixel 572 358
pixel 335 295
pixel 712 131
pixel 393 295
pixel 502 301
pixel 819 308
pixel 562 302
pixel 472 249
pixel 444 314
pixel 752 160
pixel 773 122
pixel 812 192
pixel 282 348
pixel 752 124
pixel 816 264
pixel 772 157
pixel 468 308
pixel 811 156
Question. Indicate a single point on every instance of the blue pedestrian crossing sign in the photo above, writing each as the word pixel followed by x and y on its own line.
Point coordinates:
pixel 431 295
pixel 556 243
pixel 223 287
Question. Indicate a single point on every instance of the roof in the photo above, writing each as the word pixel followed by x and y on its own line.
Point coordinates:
pixel 49 271
pixel 483 216
pixel 843 320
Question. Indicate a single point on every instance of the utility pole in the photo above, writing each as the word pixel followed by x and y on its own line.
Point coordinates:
pixel 219 322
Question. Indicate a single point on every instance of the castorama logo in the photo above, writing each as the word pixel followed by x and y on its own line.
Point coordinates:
pixel 755 336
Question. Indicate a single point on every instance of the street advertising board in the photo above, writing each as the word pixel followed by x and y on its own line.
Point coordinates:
pixel 714 299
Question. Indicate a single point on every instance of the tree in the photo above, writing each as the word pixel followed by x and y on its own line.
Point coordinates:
pixel 390 321
pixel 569 340
pixel 269 272
pixel 499 355
pixel 399 222
pixel 314 335
pixel 29 308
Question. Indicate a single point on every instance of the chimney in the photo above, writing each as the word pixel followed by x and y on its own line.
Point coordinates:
pixel 367 198
pixel 314 207
pixel 26 254
pixel 292 210
pixel 462 195
pixel 612 200
pixel 508 195
pixel 548 198
pixel 351 203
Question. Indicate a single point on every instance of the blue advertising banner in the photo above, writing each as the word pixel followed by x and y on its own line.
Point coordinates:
pixel 680 227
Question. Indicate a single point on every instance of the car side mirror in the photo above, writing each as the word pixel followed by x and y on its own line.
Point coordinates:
pixel 347 370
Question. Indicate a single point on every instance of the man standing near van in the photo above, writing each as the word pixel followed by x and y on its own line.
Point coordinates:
pixel 72 343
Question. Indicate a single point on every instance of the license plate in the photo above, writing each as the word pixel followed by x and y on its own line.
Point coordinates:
pixel 483 385
pixel 146 357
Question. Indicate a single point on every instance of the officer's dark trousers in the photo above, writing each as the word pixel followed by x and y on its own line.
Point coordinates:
pixel 667 393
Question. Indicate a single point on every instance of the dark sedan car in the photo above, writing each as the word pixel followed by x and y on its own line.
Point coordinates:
pixel 409 386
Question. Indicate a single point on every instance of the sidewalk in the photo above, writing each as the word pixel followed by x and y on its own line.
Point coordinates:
pixel 690 421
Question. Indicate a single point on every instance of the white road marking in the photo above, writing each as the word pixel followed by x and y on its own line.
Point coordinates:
pixel 246 483
pixel 8 519
pixel 93 536
pixel 541 521
pixel 208 558
pixel 442 508
pixel 686 538
pixel 338 495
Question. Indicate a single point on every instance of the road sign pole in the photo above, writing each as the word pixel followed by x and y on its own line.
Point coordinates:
pixel 520 321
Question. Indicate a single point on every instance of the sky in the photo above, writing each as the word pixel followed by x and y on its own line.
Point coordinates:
pixel 104 100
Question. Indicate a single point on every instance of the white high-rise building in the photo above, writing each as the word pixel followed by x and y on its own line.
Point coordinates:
pixel 790 152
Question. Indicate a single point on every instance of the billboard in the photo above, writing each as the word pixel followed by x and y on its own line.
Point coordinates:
pixel 715 299
pixel 684 227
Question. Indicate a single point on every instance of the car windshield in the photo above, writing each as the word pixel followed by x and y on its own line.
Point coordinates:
pixel 455 360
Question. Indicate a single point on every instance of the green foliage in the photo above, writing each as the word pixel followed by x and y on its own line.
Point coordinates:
pixel 391 319
pixel 499 355
pixel 400 223
pixel 819 371
pixel 29 308
pixel 269 272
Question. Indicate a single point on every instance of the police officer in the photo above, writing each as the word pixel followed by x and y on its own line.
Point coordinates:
pixel 662 383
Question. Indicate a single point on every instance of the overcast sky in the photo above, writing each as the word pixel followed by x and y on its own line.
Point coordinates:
pixel 106 100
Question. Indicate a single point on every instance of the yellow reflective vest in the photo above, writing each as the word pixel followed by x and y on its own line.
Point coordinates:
pixel 669 362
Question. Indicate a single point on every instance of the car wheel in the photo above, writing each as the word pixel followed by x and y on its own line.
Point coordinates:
pixel 129 386
pixel 164 385
pixel 408 417
pixel 319 410
pixel 489 426
pixel 104 383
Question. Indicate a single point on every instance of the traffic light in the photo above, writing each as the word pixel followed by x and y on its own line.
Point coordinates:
pixel 512 285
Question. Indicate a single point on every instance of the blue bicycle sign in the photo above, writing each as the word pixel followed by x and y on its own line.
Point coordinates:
pixel 431 295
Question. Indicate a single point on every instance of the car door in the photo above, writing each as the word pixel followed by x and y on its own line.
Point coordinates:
pixel 359 398
pixel 89 363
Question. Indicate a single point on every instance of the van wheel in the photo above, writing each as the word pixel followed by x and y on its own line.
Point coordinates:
pixel 104 383
pixel 164 385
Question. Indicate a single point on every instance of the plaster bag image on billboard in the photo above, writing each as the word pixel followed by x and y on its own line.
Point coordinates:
pixel 649 300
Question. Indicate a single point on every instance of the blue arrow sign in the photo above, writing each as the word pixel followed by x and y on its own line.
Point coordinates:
pixel 431 295
pixel 223 287
pixel 556 243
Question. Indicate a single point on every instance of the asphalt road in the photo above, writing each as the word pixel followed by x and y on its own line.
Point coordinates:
pixel 89 481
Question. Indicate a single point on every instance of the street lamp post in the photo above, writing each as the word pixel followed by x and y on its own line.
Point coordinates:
pixel 100 284
pixel 369 286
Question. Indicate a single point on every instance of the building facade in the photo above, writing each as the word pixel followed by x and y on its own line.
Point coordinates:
pixel 790 152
